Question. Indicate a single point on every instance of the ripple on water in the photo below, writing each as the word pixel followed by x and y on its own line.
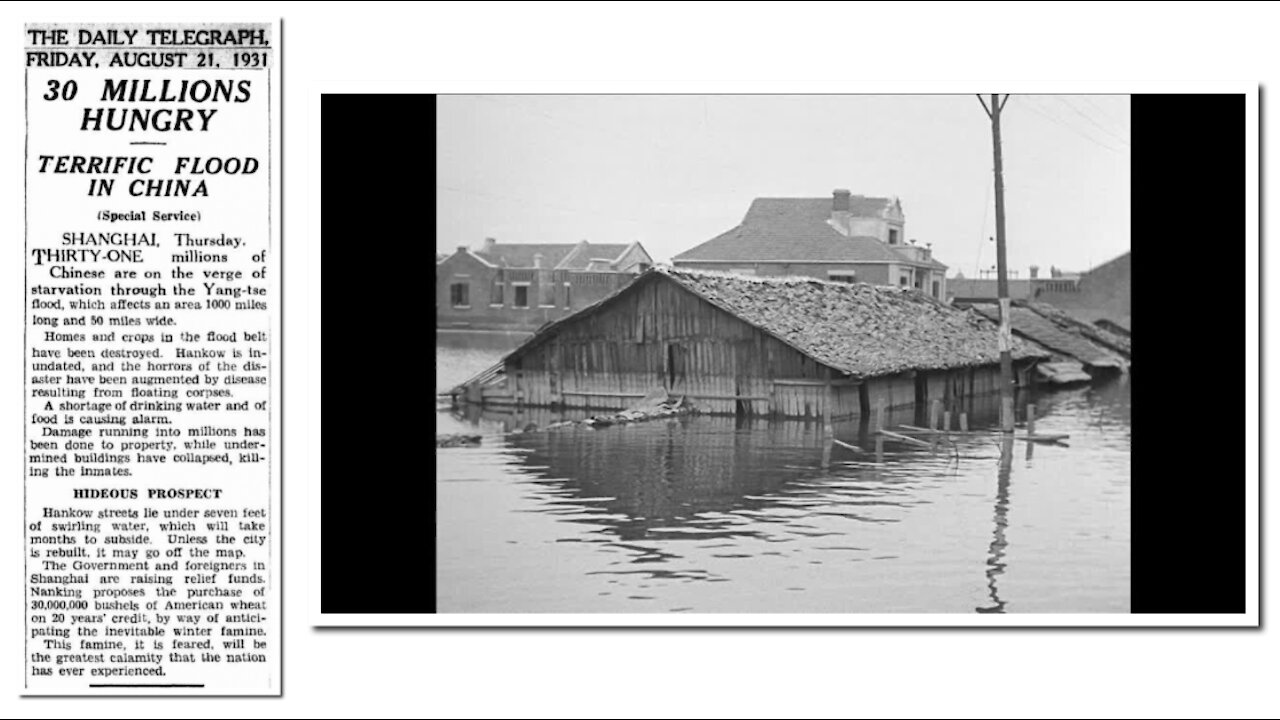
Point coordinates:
pixel 727 518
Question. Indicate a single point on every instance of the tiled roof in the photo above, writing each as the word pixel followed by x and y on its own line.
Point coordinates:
pixel 580 260
pixel 562 256
pixel 862 330
pixel 929 262
pixel 796 230
pixel 1057 337
pixel 1119 262
pixel 520 255
pixel 1073 322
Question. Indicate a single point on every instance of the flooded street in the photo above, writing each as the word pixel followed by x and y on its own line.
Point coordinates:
pixel 711 514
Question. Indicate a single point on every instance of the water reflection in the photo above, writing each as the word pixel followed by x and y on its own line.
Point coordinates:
pixel 995 552
pixel 695 478
pixel 714 514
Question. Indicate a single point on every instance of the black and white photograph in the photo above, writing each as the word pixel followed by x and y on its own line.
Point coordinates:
pixel 778 354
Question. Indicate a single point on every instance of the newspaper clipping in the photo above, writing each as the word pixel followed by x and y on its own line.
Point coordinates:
pixel 151 383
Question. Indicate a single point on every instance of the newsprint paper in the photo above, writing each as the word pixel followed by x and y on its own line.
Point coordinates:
pixel 152 345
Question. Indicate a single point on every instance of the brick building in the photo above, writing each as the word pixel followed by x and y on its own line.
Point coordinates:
pixel 521 286
pixel 849 238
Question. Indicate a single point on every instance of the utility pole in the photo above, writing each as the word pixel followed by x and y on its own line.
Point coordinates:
pixel 1002 270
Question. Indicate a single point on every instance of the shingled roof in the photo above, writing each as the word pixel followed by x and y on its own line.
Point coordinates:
pixel 561 256
pixel 520 255
pixel 797 230
pixel 1028 323
pixel 861 330
pixel 591 251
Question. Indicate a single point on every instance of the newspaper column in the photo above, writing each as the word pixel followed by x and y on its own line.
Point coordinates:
pixel 151 379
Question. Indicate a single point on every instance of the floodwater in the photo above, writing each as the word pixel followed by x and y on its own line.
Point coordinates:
pixel 710 515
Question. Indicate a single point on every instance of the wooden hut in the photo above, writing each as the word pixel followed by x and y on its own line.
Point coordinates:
pixel 734 344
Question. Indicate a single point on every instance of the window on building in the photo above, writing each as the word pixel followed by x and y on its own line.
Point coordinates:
pixel 937 289
pixel 644 267
pixel 842 277
pixel 459 295
pixel 495 294
pixel 521 299
pixel 547 294
pixel 893 236
pixel 903 281
pixel 568 295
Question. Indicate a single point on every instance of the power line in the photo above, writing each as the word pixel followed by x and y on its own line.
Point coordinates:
pixel 1044 114
pixel 1075 126
pixel 986 208
pixel 1101 111
pixel 1077 111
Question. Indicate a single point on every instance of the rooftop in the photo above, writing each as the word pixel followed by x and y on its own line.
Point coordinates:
pixel 798 230
pixel 561 256
pixel 861 330
pixel 1058 337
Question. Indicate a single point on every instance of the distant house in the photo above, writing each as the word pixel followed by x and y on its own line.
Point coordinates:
pixel 844 238
pixel 740 345
pixel 521 286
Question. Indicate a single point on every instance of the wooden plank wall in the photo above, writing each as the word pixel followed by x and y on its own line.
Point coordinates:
pixel 892 391
pixel 662 337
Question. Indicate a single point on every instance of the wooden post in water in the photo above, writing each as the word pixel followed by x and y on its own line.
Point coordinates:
pixel 1031 418
pixel 964 422
pixel 934 409
pixel 826 411
pixel 946 421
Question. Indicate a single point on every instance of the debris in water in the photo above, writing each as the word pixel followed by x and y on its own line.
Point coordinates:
pixel 457 440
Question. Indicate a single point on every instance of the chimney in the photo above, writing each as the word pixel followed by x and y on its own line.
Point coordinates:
pixel 1035 271
pixel 840 215
pixel 537 260
pixel 488 244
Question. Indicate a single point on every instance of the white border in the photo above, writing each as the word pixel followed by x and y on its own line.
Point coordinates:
pixel 1249 619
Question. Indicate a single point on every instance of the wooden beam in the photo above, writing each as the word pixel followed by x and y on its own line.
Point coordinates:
pixel 696 396
pixel 843 382
pixel 904 438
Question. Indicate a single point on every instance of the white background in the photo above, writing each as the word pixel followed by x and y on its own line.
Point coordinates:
pixel 729 47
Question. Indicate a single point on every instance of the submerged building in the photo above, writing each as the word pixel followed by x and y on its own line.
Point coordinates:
pixel 734 344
